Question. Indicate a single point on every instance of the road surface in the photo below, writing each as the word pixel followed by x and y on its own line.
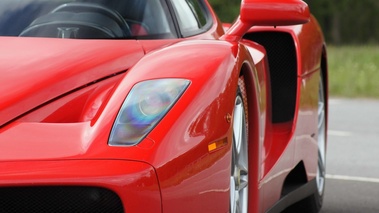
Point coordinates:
pixel 352 183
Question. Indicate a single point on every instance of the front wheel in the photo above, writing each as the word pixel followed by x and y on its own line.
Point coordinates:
pixel 239 163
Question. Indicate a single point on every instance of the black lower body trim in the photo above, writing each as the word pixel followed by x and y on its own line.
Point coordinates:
pixel 296 195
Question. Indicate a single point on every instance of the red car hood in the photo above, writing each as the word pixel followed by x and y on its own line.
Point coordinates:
pixel 36 70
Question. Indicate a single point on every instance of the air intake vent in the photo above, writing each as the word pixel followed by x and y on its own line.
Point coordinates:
pixel 282 60
pixel 59 199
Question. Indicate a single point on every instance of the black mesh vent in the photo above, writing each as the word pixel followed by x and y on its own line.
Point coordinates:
pixel 59 199
pixel 283 72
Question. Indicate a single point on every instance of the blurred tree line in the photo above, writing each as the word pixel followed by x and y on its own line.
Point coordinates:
pixel 343 21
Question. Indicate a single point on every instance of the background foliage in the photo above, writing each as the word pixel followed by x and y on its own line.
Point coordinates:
pixel 227 10
pixel 354 71
pixel 348 21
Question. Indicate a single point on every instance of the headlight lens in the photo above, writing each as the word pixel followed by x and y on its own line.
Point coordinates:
pixel 144 107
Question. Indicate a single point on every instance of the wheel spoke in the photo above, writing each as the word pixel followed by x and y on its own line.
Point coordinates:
pixel 321 164
pixel 243 184
pixel 232 194
pixel 321 115
pixel 237 126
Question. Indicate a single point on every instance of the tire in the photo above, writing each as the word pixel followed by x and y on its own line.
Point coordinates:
pixel 313 203
pixel 239 162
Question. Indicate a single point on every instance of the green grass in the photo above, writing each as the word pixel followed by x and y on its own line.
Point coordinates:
pixel 354 71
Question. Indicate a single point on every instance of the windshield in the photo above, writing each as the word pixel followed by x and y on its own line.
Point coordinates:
pixel 86 19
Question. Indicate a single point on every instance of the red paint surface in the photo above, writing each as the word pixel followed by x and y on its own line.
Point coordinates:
pixel 59 104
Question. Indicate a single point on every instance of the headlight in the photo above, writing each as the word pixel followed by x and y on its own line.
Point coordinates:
pixel 144 107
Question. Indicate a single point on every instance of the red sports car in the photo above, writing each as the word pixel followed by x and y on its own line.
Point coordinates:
pixel 156 106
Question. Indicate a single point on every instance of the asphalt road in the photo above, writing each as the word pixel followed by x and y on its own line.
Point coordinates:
pixel 352 184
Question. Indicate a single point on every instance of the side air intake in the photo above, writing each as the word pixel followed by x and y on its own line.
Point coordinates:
pixel 282 59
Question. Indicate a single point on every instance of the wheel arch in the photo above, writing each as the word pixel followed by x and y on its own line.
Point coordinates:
pixel 249 79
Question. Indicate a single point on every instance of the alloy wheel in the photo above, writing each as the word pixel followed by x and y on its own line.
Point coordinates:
pixel 239 170
pixel 320 177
